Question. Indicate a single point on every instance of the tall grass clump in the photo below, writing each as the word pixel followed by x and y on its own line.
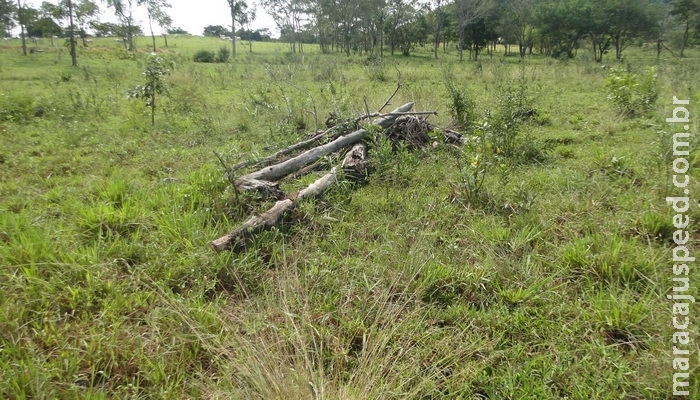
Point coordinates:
pixel 204 56
pixel 462 106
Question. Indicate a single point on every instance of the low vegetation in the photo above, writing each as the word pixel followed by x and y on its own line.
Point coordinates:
pixel 532 262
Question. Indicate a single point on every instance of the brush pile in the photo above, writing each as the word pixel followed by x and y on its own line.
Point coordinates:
pixel 400 125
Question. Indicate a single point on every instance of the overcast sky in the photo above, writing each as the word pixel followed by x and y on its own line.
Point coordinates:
pixel 190 15
pixel 194 15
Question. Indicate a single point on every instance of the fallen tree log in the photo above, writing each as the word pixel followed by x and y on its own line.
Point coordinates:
pixel 270 218
pixel 399 125
pixel 280 153
pixel 277 171
pixel 355 164
pixel 266 189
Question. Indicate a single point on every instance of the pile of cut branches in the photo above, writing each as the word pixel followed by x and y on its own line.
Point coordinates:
pixel 399 125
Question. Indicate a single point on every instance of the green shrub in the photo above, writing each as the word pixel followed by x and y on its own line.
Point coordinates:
pixel 462 106
pixel 204 56
pixel 224 54
pixel 632 95
pixel 16 107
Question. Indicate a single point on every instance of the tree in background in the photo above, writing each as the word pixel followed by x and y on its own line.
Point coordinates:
pixel 21 19
pixel 165 22
pixel 216 31
pixel 239 13
pixel 63 11
pixel 7 21
pixel 44 27
pixel 290 16
pixel 124 11
pixel 87 13
pixel 155 11
pixel 439 18
pixel 467 15
pixel 629 19
pixel 177 31
pixel 687 12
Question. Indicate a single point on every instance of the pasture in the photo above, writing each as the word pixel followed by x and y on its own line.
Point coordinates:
pixel 549 281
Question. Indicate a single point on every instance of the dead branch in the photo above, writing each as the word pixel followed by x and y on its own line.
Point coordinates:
pixel 277 171
pixel 287 150
pixel 355 164
pixel 398 86
pixel 266 190
pixel 272 217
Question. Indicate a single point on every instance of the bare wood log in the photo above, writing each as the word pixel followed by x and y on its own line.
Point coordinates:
pixel 306 170
pixel 272 217
pixel 253 225
pixel 283 152
pixel 277 171
pixel 355 163
pixel 266 189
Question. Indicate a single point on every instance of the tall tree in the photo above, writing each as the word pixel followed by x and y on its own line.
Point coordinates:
pixel 629 19
pixel 124 11
pixel 155 11
pixel 71 34
pixel 86 15
pixel 518 15
pixel 239 14
pixel 289 16
pixel 688 13
pixel 7 12
pixel 467 13
pixel 439 17
pixel 20 17
pixel 165 22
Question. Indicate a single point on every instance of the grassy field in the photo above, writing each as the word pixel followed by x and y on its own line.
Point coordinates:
pixel 549 281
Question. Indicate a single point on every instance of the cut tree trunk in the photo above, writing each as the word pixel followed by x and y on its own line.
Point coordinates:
pixel 270 218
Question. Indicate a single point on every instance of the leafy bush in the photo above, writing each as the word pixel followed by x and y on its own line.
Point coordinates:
pixel 462 107
pixel 17 107
pixel 632 95
pixel 204 56
pixel 224 54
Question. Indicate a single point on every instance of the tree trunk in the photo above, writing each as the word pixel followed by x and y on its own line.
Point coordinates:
pixel 71 35
pixel 233 28
pixel 277 171
pixel 150 26
pixel 686 35
pixel 21 27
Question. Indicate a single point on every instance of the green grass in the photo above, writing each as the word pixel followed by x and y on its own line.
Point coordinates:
pixel 550 284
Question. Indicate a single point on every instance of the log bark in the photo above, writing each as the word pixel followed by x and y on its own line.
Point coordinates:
pixel 272 217
pixel 283 152
pixel 355 163
pixel 277 171
pixel 266 190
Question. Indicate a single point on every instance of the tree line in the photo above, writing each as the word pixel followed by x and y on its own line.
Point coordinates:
pixel 553 27
pixel 558 28
pixel 74 18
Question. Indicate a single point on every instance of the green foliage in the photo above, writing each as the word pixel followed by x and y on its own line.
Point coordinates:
pixel 156 70
pixel 223 55
pixel 632 95
pixel 204 56
pixel 376 69
pixel 16 107
pixel 462 106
